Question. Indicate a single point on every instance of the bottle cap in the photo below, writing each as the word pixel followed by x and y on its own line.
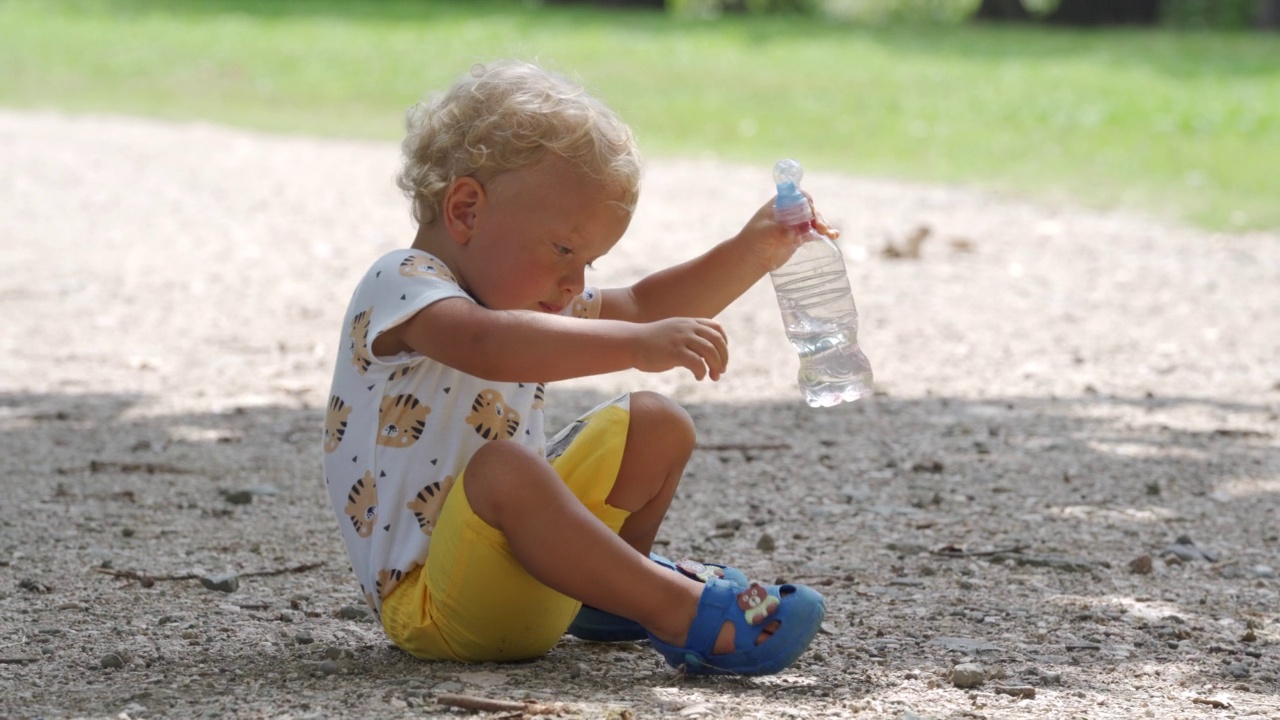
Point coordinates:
pixel 790 207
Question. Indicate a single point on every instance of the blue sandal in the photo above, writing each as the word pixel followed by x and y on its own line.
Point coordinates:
pixel 797 609
pixel 599 626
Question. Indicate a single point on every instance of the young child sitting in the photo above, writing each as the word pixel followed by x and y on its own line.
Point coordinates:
pixel 474 539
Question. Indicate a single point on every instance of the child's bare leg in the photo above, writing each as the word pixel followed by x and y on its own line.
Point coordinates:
pixel 559 542
pixel 660 439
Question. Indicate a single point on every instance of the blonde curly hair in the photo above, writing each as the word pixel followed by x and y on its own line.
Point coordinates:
pixel 505 116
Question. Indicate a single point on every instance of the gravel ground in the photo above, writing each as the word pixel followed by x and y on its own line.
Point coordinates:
pixel 1060 503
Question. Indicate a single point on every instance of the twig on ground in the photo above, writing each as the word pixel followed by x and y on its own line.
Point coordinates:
pixel 283 571
pixel 148 580
pixel 951 551
pixel 470 702
pixel 742 446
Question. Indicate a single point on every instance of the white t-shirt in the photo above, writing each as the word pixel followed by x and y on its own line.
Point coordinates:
pixel 399 430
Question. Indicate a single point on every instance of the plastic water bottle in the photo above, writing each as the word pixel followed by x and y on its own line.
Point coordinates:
pixel 817 302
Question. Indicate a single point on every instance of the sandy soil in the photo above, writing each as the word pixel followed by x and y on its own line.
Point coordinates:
pixel 1061 394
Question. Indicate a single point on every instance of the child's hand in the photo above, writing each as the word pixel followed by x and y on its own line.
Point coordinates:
pixel 771 244
pixel 694 343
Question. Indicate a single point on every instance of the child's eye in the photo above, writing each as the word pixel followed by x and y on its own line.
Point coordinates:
pixel 563 250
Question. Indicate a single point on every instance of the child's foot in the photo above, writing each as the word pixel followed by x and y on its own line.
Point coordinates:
pixel 750 631
pixel 599 626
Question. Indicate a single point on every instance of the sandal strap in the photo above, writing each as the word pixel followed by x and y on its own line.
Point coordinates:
pixel 719 598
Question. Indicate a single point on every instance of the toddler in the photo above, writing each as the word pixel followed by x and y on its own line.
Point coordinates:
pixel 473 537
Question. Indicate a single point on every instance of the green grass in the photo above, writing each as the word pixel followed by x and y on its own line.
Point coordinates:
pixel 1182 123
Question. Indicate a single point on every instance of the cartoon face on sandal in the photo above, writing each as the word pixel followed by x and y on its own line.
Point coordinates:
pixel 757 603
pixel 426 505
pixel 492 418
pixel 362 505
pixel 423 265
pixel 335 423
pixel 401 420
pixel 361 358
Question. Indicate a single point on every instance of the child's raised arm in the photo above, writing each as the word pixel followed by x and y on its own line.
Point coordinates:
pixel 705 285
pixel 526 346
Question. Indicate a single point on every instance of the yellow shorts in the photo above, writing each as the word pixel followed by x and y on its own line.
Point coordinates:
pixel 472 601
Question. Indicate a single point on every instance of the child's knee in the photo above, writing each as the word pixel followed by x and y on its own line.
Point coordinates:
pixel 491 472
pixel 659 415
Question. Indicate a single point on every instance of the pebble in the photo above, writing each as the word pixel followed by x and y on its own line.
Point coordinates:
pixel 303 637
pixel 353 612
pixel 1238 670
pixel 1140 565
pixel 221 583
pixel 329 667
pixel 967 675
pixel 1184 549
pixel 238 497
pixel 111 661
pixel 766 543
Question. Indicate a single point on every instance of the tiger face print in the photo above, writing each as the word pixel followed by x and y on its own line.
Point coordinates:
pixel 335 423
pixel 539 396
pixel 387 581
pixel 426 506
pixel 417 265
pixel 362 505
pixel 401 419
pixel 492 418
pixel 361 358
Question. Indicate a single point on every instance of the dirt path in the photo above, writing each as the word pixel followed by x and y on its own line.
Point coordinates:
pixel 1062 393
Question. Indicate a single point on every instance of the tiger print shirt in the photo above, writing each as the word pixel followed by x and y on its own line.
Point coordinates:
pixel 398 430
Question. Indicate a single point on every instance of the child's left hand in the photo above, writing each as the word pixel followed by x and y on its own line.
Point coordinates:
pixel 770 244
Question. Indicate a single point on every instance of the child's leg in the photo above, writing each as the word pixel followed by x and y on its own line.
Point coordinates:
pixel 660 439
pixel 559 542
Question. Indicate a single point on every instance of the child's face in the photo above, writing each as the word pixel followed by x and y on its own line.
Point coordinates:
pixel 535 233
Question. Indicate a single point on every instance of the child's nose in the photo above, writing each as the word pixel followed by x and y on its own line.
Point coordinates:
pixel 574 282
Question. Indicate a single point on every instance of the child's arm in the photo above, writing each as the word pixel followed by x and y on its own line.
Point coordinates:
pixel 525 346
pixel 705 285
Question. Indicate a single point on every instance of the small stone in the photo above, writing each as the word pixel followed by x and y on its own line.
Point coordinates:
pixel 1140 565
pixel 127 532
pixel 337 653
pixel 238 497
pixel 111 661
pixel 221 583
pixel 353 612
pixel 766 543
pixel 1238 670
pixel 1024 692
pixel 303 637
pixel 967 675
pixel 329 667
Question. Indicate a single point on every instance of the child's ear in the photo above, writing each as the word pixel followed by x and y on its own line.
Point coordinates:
pixel 462 201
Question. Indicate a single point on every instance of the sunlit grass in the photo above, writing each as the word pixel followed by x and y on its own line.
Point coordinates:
pixel 1181 123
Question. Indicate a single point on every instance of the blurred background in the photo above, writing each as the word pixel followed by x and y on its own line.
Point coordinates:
pixel 1165 106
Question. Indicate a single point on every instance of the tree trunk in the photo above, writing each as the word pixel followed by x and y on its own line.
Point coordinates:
pixel 1001 10
pixel 1105 12
pixel 1267 15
